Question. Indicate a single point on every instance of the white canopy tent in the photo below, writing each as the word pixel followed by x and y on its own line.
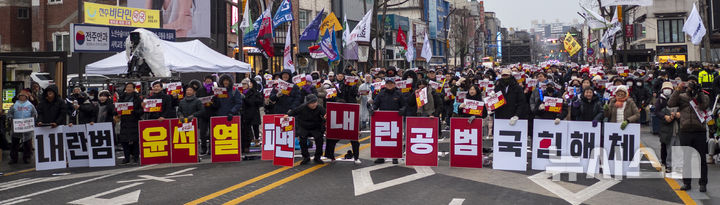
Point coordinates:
pixel 182 57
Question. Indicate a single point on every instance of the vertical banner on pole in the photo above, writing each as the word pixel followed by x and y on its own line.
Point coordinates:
pixel 583 139
pixel 49 148
pixel 101 143
pixel 225 139
pixel 343 121
pixel 284 141
pixel 620 146
pixel 422 144
pixel 510 145
pixel 268 144
pixel 76 146
pixel 549 141
pixel 154 141
pixel 386 135
pixel 184 143
pixel 465 143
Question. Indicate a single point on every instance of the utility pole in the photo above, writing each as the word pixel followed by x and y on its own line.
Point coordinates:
pixel 706 39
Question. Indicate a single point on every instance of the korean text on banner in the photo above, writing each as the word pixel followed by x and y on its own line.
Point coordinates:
pixel 510 145
pixel 184 143
pixel 583 140
pixel 421 144
pixel 621 147
pixel 152 105
pixel 386 135
pixel 549 142
pixel 268 133
pixel 466 143
pixel 284 141
pixel 49 148
pixel 23 125
pixel 154 141
pixel 124 108
pixel 225 139
pixel 76 146
pixel 343 121
pixel 120 16
pixel 101 143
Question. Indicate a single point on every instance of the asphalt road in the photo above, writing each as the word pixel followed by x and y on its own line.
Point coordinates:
pixel 340 182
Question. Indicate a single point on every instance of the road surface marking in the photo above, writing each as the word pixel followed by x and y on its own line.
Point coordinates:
pixel 363 183
pixel 181 171
pixel 23 182
pixel 27 196
pixel 456 201
pixel 542 179
pixel 253 180
pixel 671 182
pixel 129 198
pixel 19 172
pixel 149 177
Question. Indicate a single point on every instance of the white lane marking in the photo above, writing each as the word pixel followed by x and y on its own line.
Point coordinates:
pixel 27 196
pixel 542 179
pixel 456 201
pixel 149 177
pixel 24 182
pixel 181 171
pixel 129 198
pixel 17 201
pixel 363 183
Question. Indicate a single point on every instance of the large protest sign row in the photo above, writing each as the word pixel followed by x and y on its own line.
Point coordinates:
pixel 74 146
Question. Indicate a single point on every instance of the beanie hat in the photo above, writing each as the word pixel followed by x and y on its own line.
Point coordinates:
pixel 311 98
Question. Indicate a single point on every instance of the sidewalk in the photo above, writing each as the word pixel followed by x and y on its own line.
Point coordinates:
pixel 712 196
pixel 7 169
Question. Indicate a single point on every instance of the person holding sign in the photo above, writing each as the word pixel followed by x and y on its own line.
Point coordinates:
pixel 347 92
pixel 167 110
pixel 428 108
pixel 691 99
pixel 129 136
pixel 515 101
pixel 105 108
pixel 621 108
pixel 250 115
pixel 203 91
pixel 548 103
pixel 51 110
pixel 589 107
pixel 411 109
pixel 474 94
pixel 81 110
pixel 229 105
pixel 310 119
pixel 389 99
pixel 22 109
pixel 282 102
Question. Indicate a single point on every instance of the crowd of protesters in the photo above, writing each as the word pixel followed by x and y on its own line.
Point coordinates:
pixel 657 94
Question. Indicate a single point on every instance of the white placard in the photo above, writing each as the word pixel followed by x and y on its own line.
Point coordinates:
pixel 510 145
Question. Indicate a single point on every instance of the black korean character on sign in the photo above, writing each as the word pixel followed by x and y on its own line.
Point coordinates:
pixel 514 146
pixel 102 146
pixel 626 142
pixel 581 144
pixel 546 140
pixel 57 150
pixel 76 142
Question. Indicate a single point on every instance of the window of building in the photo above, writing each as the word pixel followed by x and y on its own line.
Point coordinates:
pixel 61 41
pixel 670 31
pixel 303 18
pixel 23 13
pixel 55 1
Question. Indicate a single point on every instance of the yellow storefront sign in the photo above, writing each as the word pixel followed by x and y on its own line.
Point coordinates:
pixel 673 58
pixel 121 16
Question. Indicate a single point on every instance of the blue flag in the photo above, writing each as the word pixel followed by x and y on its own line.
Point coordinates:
pixel 311 30
pixel 283 14
pixel 328 47
pixel 249 39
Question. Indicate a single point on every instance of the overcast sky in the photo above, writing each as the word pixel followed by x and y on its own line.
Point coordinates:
pixel 519 13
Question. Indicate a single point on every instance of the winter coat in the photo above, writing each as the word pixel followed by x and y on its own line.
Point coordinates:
pixel 667 129
pixel 22 110
pixel 477 97
pixel 106 109
pixel 689 121
pixel 641 95
pixel 309 121
pixel 285 103
pixel 347 94
pixel 129 123
pixel 199 93
pixel 167 111
pixel 364 112
pixel 251 107
pixel 515 102
pixel 588 110
pixel 190 107
pixel 411 108
pixel 389 100
pixel 429 108
pixel 230 105
pixel 535 103
pixel 51 112
pixel 630 113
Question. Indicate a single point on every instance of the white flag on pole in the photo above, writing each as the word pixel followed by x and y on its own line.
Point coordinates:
pixel 346 32
pixel 410 54
pixel 694 27
pixel 426 50
pixel 246 16
pixel 287 57
pixel 362 30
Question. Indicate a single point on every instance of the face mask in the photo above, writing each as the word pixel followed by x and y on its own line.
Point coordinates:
pixel 667 92
pixel 638 84
pixel 651 75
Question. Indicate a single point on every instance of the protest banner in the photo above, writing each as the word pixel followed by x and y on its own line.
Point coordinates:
pixel 331 93
pixel 404 85
pixel 466 143
pixel 268 137
pixel 436 86
pixel 510 145
pixel 461 96
pixel 377 86
pixel 206 101
pixel 175 88
pixel 76 146
pixel 549 141
pixel 152 105
pixel 23 125
pixel 421 97
pixel 343 121
pixel 351 80
pixel 583 139
pixel 225 139
pixel 267 92
pixel 284 87
pixel 184 143
pixel 553 104
pixel 284 141
pixel 473 107
pixel 620 146
pixel 49 148
pixel 101 143
pixel 386 135
pixel 124 108
pixel 220 92
pixel 299 80
pixel 154 141
pixel 494 100
pixel 421 142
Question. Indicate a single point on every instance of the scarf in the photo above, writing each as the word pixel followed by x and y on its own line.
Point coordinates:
pixel 208 87
pixel 619 101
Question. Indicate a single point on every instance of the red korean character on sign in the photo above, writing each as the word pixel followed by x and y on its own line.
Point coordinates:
pixel 154 141
pixel 225 139
pixel 386 135
pixel 184 145
pixel 465 143
pixel 268 143
pixel 284 141
pixel 421 148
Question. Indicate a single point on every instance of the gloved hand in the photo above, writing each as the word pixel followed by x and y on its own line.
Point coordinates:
pixel 229 117
pixel 623 125
pixel 462 105
pixel 542 106
pixel 557 121
pixel 513 120
pixel 471 119
pixel 594 123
